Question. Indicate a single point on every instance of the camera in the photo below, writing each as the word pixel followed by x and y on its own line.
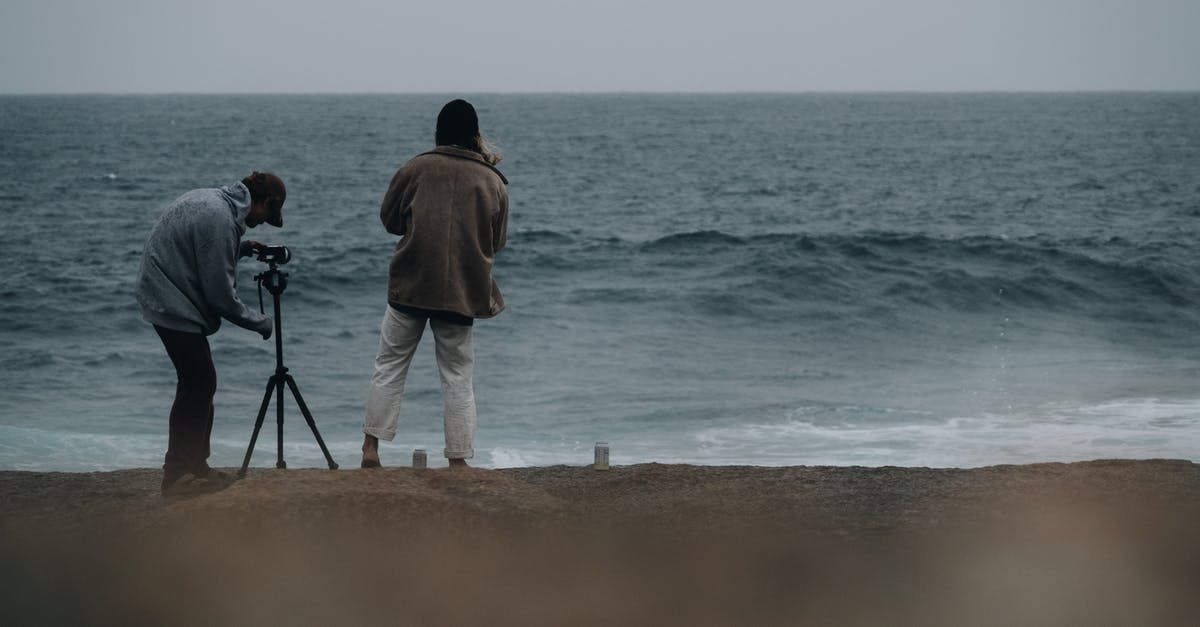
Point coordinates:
pixel 277 255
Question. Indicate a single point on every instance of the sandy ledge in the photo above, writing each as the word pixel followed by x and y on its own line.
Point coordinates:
pixel 1108 542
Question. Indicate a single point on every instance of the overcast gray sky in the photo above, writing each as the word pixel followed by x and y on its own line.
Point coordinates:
pixel 118 46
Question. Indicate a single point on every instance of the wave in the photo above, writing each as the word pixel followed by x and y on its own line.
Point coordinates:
pixel 1108 277
pixel 541 237
pixel 874 276
pixel 712 239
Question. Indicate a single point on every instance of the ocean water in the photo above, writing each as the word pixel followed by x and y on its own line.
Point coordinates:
pixel 866 279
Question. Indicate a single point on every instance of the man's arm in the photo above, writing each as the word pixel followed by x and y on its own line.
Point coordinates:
pixel 217 261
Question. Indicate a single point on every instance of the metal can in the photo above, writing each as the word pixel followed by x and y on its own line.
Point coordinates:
pixel 601 456
pixel 419 458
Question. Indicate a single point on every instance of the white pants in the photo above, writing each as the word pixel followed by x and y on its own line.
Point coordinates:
pixel 398 339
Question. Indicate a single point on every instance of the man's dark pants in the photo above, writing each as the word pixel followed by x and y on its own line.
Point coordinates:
pixel 192 412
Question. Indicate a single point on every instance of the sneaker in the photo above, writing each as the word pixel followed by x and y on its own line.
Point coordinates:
pixel 190 484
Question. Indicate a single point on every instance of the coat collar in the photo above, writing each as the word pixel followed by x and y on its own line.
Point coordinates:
pixel 470 155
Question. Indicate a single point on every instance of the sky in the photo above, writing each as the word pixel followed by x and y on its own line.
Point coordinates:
pixel 407 46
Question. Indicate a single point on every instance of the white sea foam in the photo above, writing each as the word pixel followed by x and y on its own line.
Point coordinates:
pixel 24 448
pixel 503 457
pixel 1117 428
pixel 1120 428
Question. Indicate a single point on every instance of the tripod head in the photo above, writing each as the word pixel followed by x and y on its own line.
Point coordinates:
pixel 274 280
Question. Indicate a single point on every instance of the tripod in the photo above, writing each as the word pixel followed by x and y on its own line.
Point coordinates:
pixel 276 282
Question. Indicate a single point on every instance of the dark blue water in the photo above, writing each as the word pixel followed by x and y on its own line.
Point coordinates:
pixel 945 280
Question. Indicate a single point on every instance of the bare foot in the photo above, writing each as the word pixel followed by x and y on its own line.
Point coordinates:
pixel 370 451
pixel 458 463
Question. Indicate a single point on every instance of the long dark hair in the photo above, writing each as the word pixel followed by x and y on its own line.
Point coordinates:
pixel 458 125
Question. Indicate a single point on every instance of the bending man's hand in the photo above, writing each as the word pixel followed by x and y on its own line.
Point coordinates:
pixel 249 248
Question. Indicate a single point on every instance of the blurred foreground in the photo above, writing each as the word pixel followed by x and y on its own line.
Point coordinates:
pixel 1095 543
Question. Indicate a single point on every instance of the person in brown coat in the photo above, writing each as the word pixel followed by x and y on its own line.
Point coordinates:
pixel 450 208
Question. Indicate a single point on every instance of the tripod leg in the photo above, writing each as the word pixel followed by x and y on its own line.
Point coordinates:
pixel 279 418
pixel 311 423
pixel 262 413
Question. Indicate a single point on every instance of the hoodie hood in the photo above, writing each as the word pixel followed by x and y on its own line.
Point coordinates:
pixel 238 197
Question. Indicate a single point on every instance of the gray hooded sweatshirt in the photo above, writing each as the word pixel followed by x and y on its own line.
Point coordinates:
pixel 188 278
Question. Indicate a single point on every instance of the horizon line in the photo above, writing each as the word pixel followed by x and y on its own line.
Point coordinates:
pixel 617 92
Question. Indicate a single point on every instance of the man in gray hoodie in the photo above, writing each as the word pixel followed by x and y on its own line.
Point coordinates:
pixel 186 285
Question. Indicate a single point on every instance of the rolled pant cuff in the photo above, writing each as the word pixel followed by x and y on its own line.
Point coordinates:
pixel 379 433
pixel 468 454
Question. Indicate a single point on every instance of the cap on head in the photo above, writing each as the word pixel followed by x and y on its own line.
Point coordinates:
pixel 457 124
pixel 267 186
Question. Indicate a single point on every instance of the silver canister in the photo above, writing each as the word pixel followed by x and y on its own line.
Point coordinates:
pixel 601 456
pixel 420 460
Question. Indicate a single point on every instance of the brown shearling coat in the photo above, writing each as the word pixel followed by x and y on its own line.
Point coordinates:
pixel 450 208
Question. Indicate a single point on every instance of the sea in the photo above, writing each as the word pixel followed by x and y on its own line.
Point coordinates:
pixel 908 279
